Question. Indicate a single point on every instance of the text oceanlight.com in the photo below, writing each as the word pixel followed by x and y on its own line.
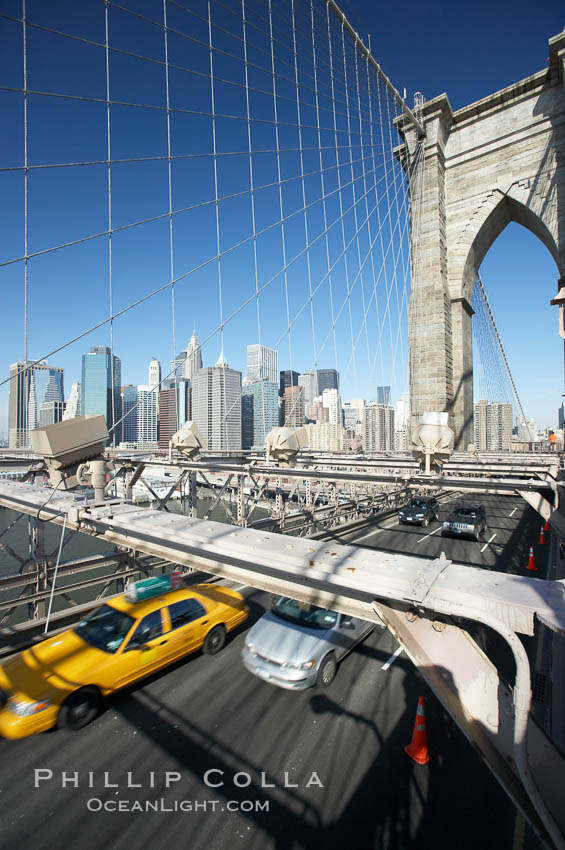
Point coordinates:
pixel 95 804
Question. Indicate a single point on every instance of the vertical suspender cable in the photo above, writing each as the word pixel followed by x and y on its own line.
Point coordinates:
pixel 339 183
pixel 283 235
pixel 108 142
pixel 253 224
pixel 306 231
pixel 223 424
pixel 22 388
pixel 170 187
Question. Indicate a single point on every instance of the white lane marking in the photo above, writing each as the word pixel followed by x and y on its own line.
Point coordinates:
pixel 372 534
pixel 429 535
pixel 395 654
pixel 488 541
pixel 513 512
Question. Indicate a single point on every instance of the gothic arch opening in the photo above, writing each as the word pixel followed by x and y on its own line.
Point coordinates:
pixel 520 276
pixel 506 211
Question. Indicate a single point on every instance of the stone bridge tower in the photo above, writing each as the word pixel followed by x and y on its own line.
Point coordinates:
pixel 499 160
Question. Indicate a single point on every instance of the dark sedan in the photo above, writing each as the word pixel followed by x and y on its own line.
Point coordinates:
pixel 420 510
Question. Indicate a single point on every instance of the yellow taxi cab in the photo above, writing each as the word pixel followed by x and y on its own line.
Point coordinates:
pixel 62 680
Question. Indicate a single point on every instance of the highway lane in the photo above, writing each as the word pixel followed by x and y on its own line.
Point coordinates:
pixel 341 750
pixel 210 714
pixel 513 523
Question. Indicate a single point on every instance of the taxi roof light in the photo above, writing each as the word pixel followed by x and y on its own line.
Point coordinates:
pixel 156 586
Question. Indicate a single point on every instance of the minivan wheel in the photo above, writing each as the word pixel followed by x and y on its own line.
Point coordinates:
pixel 79 709
pixel 327 671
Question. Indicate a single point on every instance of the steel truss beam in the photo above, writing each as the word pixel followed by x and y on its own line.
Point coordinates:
pixel 420 601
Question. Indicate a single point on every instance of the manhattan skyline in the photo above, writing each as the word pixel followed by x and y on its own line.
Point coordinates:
pixel 69 289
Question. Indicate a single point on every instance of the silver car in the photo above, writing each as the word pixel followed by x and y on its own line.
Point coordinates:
pixel 297 645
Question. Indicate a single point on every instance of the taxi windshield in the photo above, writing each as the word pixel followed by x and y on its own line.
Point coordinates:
pixel 304 614
pixel 105 628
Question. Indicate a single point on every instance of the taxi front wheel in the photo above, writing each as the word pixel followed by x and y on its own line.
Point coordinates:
pixel 215 640
pixel 79 709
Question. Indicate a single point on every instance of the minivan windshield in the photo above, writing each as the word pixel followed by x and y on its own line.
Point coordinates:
pixel 304 614
pixel 105 628
pixel 418 503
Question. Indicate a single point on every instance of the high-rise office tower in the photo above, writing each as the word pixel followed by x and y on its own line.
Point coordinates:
pixel 287 379
pixel 193 360
pixel 332 401
pixel 188 361
pixel 130 414
pixel 402 436
pixel 326 379
pixel 383 395
pixel 101 388
pixel 293 407
pixel 262 363
pixel 174 409
pixel 147 402
pixel 154 373
pixel 378 428
pixel 259 412
pixel 216 405
pixel 51 412
pixel 72 407
pixel 352 416
pixel 308 381
pixel 493 426
pixel 177 365
pixel 29 389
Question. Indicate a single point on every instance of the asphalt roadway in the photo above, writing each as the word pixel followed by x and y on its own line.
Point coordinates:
pixel 312 769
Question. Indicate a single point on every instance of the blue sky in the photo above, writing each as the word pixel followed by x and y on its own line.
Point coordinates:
pixel 439 48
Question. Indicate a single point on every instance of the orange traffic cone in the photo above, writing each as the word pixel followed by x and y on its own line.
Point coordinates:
pixel 546 526
pixel 541 540
pixel 418 748
pixel 531 562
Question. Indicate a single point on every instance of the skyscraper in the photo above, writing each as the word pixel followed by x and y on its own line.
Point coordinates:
pixel 293 407
pixel 29 389
pixel 147 401
pixel 154 373
pixel 402 436
pixel 326 379
pixel 216 405
pixel 378 428
pixel 174 409
pixel 72 408
pixel 259 412
pixel 331 400
pixel 308 381
pixel 493 426
pixel 51 412
pixel 193 357
pixel 262 363
pixel 383 395
pixel 287 379
pixel 101 388
pixel 130 414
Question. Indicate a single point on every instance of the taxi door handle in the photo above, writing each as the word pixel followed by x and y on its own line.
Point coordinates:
pixel 204 622
pixel 162 642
